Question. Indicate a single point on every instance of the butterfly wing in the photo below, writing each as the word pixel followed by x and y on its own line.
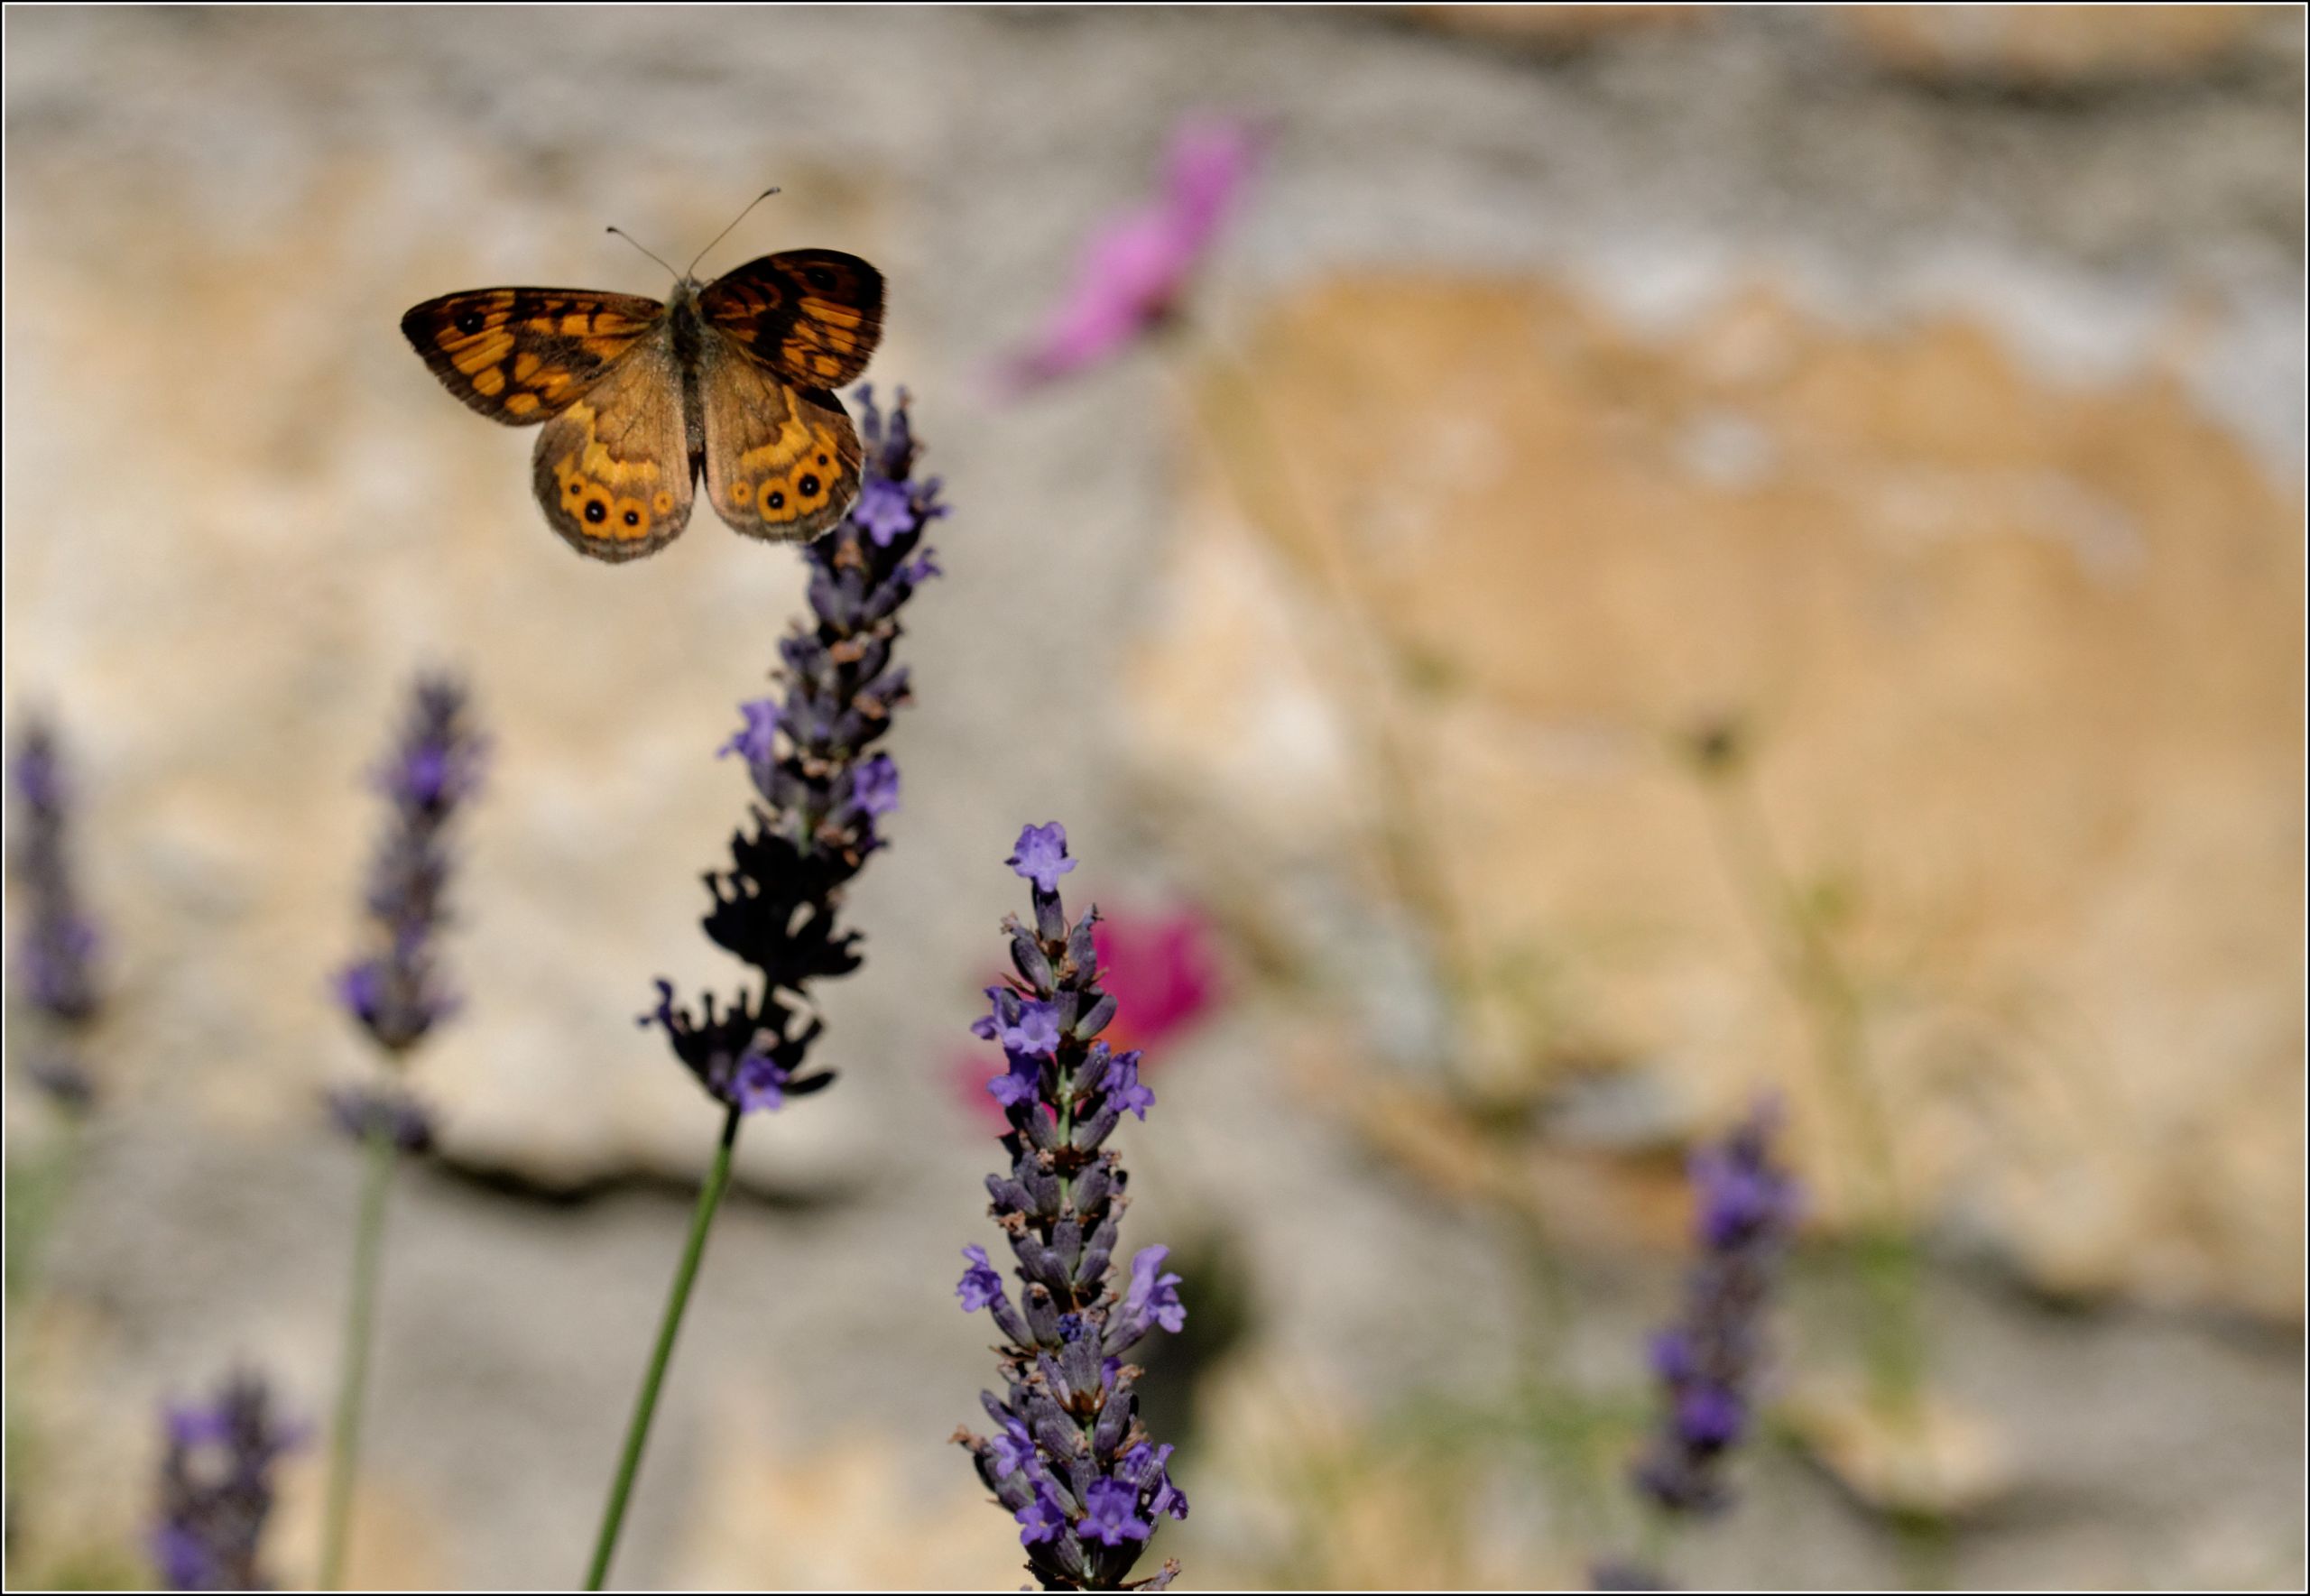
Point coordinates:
pixel 522 355
pixel 781 462
pixel 613 470
pixel 812 316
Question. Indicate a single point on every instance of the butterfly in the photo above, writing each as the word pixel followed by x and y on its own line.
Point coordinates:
pixel 731 378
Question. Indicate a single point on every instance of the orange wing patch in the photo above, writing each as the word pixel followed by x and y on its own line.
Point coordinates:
pixel 780 463
pixel 613 471
pixel 522 355
pixel 813 316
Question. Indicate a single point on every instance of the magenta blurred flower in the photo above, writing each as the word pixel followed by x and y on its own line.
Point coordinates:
pixel 1137 265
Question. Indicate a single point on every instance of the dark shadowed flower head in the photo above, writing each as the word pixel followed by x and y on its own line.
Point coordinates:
pixel 1069 1457
pixel 52 954
pixel 396 992
pixel 822 787
pixel 216 1488
pixel 1139 262
pixel 1707 1363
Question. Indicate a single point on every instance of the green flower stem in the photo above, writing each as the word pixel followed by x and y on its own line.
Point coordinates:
pixel 645 1405
pixel 353 1375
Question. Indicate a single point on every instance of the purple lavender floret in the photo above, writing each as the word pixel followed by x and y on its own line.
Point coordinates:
pixel 52 958
pixel 1707 1362
pixel 820 785
pixel 396 992
pixel 216 1488
pixel 361 1111
pixel 1069 1458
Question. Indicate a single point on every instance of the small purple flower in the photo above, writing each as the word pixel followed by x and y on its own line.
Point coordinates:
pixel 1035 1031
pixel 1020 1083
pixel 755 742
pixel 1014 1449
pixel 1042 1520
pixel 885 510
pixel 875 788
pixel 1040 856
pixel 1109 1515
pixel 980 1284
pixel 758 1081
pixel 363 1112
pixel 216 1488
pixel 1070 1459
pixel 1153 1299
pixel 1123 1086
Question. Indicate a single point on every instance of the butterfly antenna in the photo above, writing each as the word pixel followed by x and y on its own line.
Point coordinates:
pixel 629 239
pixel 725 232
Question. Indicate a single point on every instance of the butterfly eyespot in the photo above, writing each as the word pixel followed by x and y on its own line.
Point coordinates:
pixel 773 499
pixel 595 510
pixel 819 277
pixel 824 461
pixel 633 518
pixel 742 492
pixel 809 487
pixel 470 322
pixel 663 502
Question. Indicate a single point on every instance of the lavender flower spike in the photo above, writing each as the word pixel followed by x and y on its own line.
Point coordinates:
pixel 1070 1460
pixel 1707 1362
pixel 53 961
pixel 822 788
pixel 216 1488
pixel 396 994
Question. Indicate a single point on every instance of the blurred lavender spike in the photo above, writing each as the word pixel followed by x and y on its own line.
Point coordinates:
pixel 396 994
pixel 53 960
pixel 1069 1458
pixel 1707 1362
pixel 216 1488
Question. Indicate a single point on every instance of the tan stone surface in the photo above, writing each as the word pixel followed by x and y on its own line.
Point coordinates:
pixel 2054 45
pixel 2022 663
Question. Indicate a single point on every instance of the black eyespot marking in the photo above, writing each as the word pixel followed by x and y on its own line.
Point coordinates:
pixel 818 277
pixel 632 520
pixel 775 500
pixel 596 510
pixel 470 322
pixel 809 484
pixel 823 460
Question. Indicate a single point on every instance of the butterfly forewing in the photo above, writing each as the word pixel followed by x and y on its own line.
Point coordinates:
pixel 613 470
pixel 812 316
pixel 521 354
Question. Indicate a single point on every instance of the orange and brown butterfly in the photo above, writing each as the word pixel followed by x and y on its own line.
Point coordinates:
pixel 732 377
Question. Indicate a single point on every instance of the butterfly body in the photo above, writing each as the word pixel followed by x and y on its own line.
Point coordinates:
pixel 730 380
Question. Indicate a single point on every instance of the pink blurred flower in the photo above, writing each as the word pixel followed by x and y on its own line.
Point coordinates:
pixel 1137 265
pixel 1162 971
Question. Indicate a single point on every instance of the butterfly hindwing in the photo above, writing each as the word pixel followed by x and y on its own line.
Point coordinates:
pixel 522 355
pixel 813 316
pixel 781 462
pixel 613 471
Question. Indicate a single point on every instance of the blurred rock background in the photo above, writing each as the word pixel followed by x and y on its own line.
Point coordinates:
pixel 1644 489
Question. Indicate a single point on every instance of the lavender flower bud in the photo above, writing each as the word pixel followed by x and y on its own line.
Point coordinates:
pixel 1071 1412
